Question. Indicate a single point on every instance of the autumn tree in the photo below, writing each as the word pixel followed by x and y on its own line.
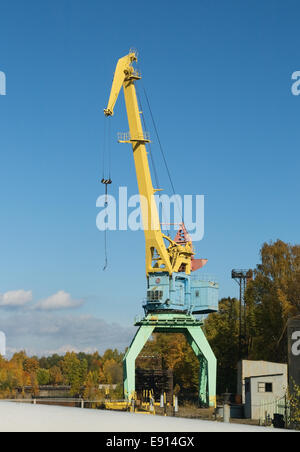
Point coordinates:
pixel 13 376
pixel 73 372
pixel 56 376
pixel 19 358
pixel 271 298
pixel 186 371
pixel 113 354
pixel 222 331
pixel 172 351
pixel 43 377
pixel 31 367
pixel 113 372
pixel 96 362
pixel 92 391
pixel 294 403
pixel 50 361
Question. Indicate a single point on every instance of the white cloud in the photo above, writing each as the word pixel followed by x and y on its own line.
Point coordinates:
pixel 60 300
pixel 15 298
pixel 44 333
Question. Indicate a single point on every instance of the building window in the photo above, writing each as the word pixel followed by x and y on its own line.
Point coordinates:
pixel 265 387
pixel 269 387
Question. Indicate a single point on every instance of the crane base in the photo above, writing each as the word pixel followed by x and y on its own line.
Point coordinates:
pixel 174 323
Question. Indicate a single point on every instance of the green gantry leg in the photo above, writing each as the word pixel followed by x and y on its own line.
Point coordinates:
pixel 191 328
pixel 208 365
pixel 133 352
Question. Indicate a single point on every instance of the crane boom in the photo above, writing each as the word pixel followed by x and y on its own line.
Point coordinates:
pixel 159 257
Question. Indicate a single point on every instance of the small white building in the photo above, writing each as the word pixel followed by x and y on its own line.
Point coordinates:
pixel 265 395
pixel 107 387
pixel 247 368
pixel 262 387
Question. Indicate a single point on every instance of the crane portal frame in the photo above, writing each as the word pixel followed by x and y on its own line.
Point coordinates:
pixel 175 323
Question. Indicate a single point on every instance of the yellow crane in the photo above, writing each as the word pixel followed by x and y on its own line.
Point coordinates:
pixel 172 295
pixel 159 257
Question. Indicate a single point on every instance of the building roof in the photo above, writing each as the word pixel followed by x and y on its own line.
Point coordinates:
pixel 263 376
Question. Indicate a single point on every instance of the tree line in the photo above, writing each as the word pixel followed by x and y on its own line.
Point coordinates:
pixel 82 372
pixel 271 298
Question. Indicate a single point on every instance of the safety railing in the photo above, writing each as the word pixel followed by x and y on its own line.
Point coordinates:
pixel 125 137
pixel 204 277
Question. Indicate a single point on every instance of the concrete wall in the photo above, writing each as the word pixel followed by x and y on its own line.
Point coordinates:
pixel 247 368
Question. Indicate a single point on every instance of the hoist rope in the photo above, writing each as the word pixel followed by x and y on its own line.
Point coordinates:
pixel 163 154
pixel 105 251
pixel 148 144
pixel 158 186
pixel 106 171
pixel 106 154
pixel 109 148
pixel 104 148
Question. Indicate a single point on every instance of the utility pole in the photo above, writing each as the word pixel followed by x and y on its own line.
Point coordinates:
pixel 242 277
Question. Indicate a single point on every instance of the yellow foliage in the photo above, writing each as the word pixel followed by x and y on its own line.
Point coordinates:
pixel 294 400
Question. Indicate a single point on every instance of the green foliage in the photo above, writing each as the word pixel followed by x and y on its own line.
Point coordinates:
pixel 72 370
pixel 117 393
pixel 272 297
pixel 113 372
pixel 171 351
pixel 222 331
pixel 294 400
pixel 83 372
pixel 50 361
pixel 113 354
pixel 43 377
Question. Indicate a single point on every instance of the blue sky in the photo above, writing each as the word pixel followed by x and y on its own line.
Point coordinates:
pixel 218 75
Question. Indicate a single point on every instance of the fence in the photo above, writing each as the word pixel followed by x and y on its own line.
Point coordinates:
pixel 143 406
pixel 79 403
pixel 268 410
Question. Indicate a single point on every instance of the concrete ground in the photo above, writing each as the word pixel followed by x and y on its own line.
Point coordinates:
pixel 19 417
